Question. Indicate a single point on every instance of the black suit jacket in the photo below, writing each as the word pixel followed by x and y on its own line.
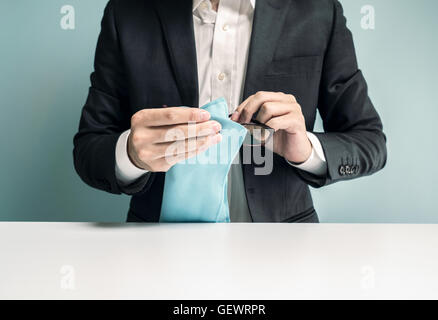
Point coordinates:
pixel 146 58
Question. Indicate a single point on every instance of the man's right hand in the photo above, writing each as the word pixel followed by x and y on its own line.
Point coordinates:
pixel 160 138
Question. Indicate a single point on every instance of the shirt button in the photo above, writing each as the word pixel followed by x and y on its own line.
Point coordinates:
pixel 221 76
pixel 342 170
pixel 226 27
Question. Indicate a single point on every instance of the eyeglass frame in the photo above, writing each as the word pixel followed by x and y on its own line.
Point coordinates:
pixel 255 122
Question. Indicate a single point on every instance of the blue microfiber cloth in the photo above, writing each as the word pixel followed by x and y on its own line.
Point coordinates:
pixel 195 190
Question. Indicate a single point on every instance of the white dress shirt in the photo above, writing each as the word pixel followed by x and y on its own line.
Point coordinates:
pixel 222 45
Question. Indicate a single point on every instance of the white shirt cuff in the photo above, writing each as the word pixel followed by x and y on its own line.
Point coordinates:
pixel 316 164
pixel 126 171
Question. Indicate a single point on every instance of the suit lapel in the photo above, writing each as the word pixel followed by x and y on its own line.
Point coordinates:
pixel 177 23
pixel 269 18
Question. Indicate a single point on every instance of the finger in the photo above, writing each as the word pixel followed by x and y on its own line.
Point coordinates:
pixel 270 110
pixel 289 122
pixel 173 159
pixel 185 131
pixel 169 116
pixel 168 149
pixel 253 105
pixel 236 114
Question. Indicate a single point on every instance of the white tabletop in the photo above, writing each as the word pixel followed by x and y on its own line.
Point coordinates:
pixel 217 261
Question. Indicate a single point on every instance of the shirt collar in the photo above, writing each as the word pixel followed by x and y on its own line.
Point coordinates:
pixel 196 3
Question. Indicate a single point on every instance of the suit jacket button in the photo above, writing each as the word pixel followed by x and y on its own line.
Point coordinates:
pixel 342 170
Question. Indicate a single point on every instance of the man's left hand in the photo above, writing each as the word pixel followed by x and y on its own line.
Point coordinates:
pixel 282 113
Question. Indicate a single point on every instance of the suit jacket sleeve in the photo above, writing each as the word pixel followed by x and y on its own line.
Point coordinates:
pixel 353 132
pixel 105 115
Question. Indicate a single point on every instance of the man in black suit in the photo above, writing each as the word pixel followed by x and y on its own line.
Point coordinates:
pixel 275 61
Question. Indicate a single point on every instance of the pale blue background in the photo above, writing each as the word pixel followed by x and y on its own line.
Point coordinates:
pixel 44 74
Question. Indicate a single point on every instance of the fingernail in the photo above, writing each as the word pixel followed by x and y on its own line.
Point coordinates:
pixel 217 126
pixel 218 138
pixel 204 115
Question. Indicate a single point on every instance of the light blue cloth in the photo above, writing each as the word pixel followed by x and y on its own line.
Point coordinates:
pixel 195 190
